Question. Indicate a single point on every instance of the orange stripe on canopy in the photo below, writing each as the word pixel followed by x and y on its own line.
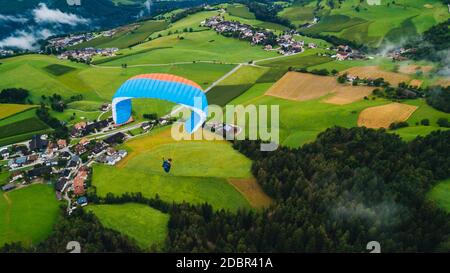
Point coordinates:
pixel 167 78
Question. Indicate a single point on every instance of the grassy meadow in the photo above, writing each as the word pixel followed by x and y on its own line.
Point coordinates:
pixel 145 225
pixel 441 194
pixel 27 215
pixel 196 177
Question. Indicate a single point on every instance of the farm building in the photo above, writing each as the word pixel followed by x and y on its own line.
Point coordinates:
pixel 8 187
pixel 115 139
pixel 78 182
pixel 39 172
pixel 61 185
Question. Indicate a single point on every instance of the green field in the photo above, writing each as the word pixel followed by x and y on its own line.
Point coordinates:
pixel 27 215
pixel 371 24
pixel 191 179
pixel 441 194
pixel 126 36
pixel 223 94
pixel 21 126
pixel 302 60
pixel 58 69
pixel 141 223
pixel 240 11
pixel 196 46
pixel 96 84
pixel 298 14
pixel 334 23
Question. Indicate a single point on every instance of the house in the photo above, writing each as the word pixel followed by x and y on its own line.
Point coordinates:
pixel 122 153
pixel 90 128
pixel 39 172
pixel 101 158
pixel 4 153
pixel 78 182
pixel 17 162
pixel 98 148
pixel 105 107
pixel 80 149
pixel 84 141
pixel 52 162
pixel 32 158
pixel 8 187
pixel 61 184
pixel 73 163
pixel 38 143
pixel 78 129
pixel 52 147
pixel 342 56
pixel 115 139
pixel 82 201
pixel 62 143
pixel 146 126
pixel 65 155
pixel 113 159
pixel 66 174
pixel 110 151
pixel 16 177
pixel 21 149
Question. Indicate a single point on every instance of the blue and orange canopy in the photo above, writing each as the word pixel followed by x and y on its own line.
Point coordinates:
pixel 164 87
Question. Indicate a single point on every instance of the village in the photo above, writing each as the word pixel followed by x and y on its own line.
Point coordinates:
pixel 67 162
pixel 5 53
pixel 285 44
pixel 86 54
pixel 71 40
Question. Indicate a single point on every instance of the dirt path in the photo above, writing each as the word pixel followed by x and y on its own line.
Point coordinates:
pixel 8 211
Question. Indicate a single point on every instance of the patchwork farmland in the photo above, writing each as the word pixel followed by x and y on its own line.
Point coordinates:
pixel 219 185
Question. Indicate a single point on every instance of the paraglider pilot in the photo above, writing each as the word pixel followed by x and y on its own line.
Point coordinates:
pixel 167 164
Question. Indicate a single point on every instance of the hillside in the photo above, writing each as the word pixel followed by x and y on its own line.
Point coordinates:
pixel 362 132
pixel 366 23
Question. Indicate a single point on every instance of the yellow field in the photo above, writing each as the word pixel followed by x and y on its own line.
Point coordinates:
pixel 252 191
pixel 305 86
pixel 416 83
pixel 385 115
pixel 443 82
pixel 345 94
pixel 374 72
pixel 302 86
pixel 7 110
pixel 411 69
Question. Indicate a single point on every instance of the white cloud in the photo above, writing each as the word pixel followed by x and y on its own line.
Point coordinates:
pixel 25 40
pixel 11 18
pixel 42 14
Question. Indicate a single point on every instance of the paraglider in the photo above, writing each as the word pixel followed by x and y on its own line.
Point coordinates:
pixel 167 165
pixel 164 87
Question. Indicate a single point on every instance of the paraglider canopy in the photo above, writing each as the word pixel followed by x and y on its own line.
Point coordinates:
pixel 164 87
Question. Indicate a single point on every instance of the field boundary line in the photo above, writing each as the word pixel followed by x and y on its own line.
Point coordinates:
pixel 23 111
